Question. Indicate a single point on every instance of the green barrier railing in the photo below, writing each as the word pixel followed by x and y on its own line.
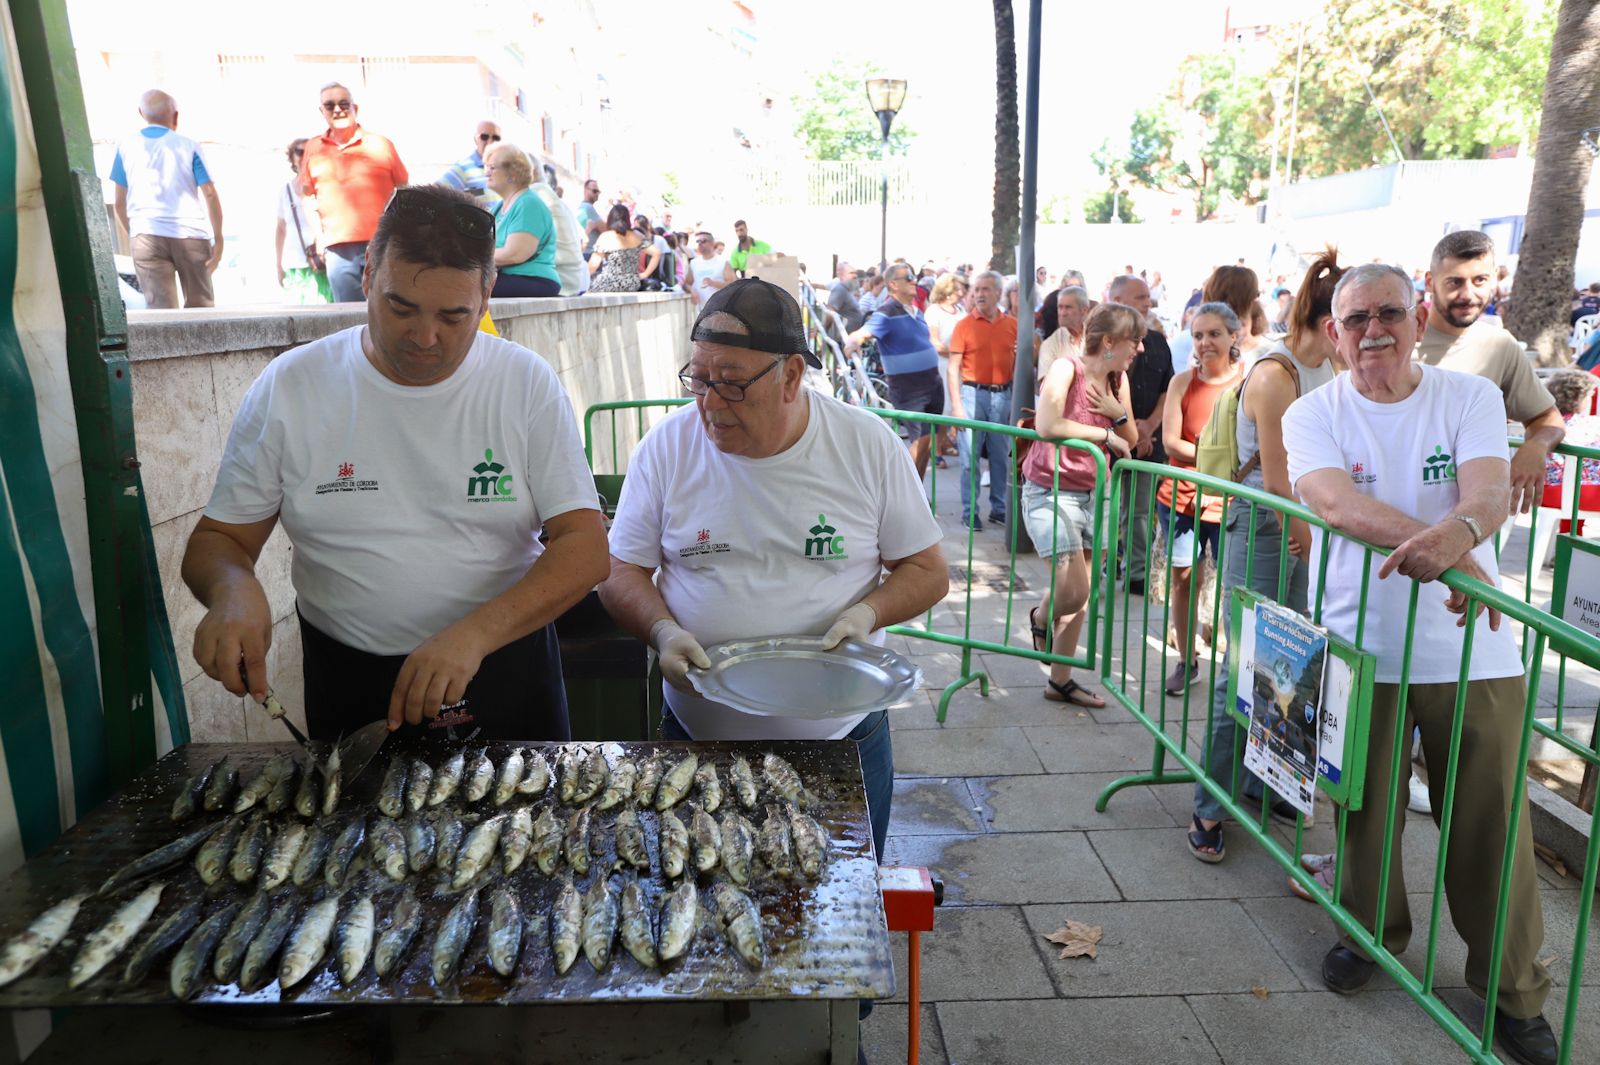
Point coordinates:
pixel 964 639
pixel 1130 686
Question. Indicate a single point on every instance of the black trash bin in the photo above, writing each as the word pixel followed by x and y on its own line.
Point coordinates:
pixel 607 674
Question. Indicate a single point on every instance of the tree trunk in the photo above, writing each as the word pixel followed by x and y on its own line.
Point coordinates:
pixel 1541 303
pixel 1007 144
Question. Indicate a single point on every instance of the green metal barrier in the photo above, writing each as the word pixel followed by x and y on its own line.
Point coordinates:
pixel 1130 688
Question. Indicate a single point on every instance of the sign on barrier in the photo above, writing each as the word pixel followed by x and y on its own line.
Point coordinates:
pixel 1577 586
pixel 1342 709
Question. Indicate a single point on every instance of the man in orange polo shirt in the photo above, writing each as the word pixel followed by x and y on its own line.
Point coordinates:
pixel 352 174
pixel 983 351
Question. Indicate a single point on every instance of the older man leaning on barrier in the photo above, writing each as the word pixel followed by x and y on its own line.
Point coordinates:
pixel 1410 457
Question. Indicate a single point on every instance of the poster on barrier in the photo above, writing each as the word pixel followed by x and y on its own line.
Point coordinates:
pixel 1339 746
pixel 1576 598
pixel 1289 657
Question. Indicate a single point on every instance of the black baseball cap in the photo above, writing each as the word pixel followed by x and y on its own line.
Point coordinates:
pixel 770 315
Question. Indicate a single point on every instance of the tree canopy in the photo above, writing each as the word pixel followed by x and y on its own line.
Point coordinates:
pixel 1455 80
pixel 835 122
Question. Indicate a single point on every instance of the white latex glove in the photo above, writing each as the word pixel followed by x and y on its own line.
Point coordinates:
pixel 856 623
pixel 677 650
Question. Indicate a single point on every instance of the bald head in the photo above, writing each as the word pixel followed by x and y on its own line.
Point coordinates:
pixel 159 109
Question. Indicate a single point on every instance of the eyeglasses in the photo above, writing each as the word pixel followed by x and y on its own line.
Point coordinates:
pixel 470 221
pixel 488 136
pixel 1387 315
pixel 732 391
pixel 331 106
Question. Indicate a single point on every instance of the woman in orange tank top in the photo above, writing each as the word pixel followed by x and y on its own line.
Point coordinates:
pixel 1190 398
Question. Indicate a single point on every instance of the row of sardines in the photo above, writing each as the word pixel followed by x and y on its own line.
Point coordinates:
pixel 286 879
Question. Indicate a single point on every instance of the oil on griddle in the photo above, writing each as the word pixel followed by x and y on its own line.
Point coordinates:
pixel 211 852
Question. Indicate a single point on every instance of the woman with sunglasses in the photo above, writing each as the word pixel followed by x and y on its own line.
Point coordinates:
pixel 616 259
pixel 524 230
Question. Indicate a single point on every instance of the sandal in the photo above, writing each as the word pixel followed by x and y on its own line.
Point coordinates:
pixel 1322 875
pixel 1040 636
pixel 1070 692
pixel 1206 843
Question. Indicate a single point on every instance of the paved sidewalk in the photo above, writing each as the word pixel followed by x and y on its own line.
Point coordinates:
pixel 1198 963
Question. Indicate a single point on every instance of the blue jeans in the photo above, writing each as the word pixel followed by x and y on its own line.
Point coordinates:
pixel 982 405
pixel 345 264
pixel 1263 581
pixel 877 766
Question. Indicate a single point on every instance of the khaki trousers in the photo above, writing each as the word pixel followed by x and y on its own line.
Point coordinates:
pixel 162 263
pixel 1491 734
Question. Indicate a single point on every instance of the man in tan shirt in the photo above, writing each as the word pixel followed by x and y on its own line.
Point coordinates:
pixel 1461 282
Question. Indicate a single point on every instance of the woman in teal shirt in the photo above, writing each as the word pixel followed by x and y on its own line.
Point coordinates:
pixel 524 232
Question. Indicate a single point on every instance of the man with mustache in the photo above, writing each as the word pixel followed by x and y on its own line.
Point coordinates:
pixel 413 462
pixel 1406 456
pixel 1461 281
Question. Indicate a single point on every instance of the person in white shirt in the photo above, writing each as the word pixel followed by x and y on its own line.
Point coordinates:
pixel 708 271
pixel 413 463
pixel 1410 457
pixel 768 508
pixel 571 264
pixel 161 179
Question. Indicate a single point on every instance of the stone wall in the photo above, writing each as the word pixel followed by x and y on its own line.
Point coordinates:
pixel 191 370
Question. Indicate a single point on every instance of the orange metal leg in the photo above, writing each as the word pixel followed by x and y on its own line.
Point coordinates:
pixel 914 997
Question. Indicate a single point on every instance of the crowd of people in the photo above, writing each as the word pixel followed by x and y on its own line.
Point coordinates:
pixel 1342 393
pixel 340 181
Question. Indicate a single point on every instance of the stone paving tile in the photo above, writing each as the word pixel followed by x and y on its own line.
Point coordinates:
pixel 933 806
pixel 1002 706
pixel 939 668
pixel 1008 868
pixel 1154 1030
pixel 883 1035
pixel 963 752
pixel 1373 1028
pixel 1093 749
pixel 1155 864
pixel 1163 948
pixel 1064 801
pixel 974 952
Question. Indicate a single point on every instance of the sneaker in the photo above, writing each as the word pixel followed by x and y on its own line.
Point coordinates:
pixel 997 517
pixel 1184 675
pixel 1419 796
pixel 972 523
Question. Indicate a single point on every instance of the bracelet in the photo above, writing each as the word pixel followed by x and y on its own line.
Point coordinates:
pixel 1108 436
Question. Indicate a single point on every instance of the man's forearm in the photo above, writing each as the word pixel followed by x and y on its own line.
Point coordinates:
pixel 214 562
pixel 911 588
pixel 1375 522
pixel 558 580
pixel 632 599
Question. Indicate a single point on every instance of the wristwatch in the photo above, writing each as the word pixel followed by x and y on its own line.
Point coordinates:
pixel 1472 523
pixel 1120 422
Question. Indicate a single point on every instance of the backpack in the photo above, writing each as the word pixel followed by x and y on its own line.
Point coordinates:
pixel 1216 453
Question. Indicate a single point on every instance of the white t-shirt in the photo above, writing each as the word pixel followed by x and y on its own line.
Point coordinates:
pixel 1405 455
pixel 290 204
pixel 407 507
pixel 768 547
pixel 702 268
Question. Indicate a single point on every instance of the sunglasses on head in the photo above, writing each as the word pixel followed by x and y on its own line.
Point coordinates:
pixel 331 106
pixel 469 220
pixel 488 136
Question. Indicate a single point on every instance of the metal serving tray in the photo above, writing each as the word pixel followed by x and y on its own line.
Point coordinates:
pixel 792 676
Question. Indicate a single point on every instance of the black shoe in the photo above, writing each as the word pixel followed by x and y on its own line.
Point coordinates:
pixel 1530 1041
pixel 997 517
pixel 1135 588
pixel 1284 812
pixel 972 523
pixel 1345 971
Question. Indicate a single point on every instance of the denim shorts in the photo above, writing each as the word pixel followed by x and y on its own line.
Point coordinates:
pixel 1057 526
pixel 921 392
pixel 1180 547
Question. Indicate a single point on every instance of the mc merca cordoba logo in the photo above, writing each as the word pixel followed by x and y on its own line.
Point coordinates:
pixel 489 482
pixel 825 544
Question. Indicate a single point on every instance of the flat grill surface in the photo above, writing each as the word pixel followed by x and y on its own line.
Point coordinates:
pixel 826 939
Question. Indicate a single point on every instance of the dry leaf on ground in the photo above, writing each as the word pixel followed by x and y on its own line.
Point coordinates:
pixel 1077 940
pixel 1259 992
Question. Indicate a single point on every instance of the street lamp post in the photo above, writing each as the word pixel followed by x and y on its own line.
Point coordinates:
pixel 886 96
